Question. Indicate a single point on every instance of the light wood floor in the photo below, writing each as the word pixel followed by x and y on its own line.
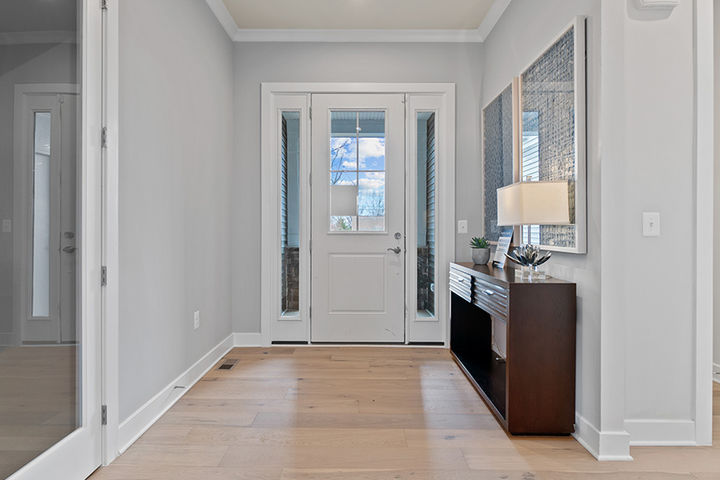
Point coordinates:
pixel 37 402
pixel 366 414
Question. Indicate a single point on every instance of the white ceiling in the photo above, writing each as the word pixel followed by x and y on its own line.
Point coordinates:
pixel 358 20
pixel 359 14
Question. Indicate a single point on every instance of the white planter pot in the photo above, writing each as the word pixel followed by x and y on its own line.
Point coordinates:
pixel 480 256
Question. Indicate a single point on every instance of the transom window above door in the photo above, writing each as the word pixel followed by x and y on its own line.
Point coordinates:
pixel 357 171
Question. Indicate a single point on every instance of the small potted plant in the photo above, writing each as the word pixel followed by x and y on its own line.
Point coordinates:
pixel 480 250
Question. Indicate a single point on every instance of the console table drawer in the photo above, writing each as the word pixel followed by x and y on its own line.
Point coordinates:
pixel 461 284
pixel 491 298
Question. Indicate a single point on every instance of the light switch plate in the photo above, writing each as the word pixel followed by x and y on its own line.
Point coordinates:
pixel 7 225
pixel 462 226
pixel 196 319
pixel 651 224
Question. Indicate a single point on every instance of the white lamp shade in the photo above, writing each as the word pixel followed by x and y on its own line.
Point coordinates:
pixel 343 200
pixel 533 203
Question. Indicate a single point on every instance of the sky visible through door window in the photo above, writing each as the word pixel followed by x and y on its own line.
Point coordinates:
pixel 357 171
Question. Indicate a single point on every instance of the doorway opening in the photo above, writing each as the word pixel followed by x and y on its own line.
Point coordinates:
pixel 358 208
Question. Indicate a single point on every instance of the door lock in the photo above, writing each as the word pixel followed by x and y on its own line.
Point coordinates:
pixel 398 236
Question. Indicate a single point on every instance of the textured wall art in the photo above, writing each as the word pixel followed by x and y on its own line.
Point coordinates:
pixel 552 134
pixel 498 155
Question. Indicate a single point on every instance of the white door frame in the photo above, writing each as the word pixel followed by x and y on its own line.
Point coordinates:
pixel 22 204
pixel 274 98
pixel 705 217
pixel 63 456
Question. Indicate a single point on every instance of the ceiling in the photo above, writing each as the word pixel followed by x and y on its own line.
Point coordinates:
pixel 359 14
pixel 37 15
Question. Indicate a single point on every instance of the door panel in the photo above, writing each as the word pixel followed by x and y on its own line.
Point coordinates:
pixel 50 399
pixel 358 218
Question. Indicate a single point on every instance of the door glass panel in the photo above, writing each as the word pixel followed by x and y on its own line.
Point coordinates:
pixel 41 216
pixel 40 374
pixel 290 212
pixel 426 214
pixel 357 171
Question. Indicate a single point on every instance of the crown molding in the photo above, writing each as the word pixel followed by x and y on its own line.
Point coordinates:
pixel 39 37
pixel 476 35
pixel 357 36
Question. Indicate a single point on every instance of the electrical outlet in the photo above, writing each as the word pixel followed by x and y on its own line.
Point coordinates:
pixel 462 226
pixel 7 225
pixel 196 319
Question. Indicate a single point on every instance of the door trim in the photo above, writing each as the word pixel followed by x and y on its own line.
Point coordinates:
pixel 270 235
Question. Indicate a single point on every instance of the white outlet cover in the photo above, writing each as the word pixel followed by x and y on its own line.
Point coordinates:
pixel 651 224
pixel 196 319
pixel 462 226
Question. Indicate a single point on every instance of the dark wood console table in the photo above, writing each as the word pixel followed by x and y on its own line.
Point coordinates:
pixel 524 366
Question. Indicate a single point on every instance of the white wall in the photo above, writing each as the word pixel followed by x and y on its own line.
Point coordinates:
pixel 176 144
pixel 655 173
pixel 526 28
pixel 51 63
pixel 324 62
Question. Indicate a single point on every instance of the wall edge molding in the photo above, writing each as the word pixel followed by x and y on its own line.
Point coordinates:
pixel 247 339
pixel 144 417
pixel 656 432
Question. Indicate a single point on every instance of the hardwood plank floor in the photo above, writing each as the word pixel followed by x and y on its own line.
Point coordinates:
pixel 37 401
pixel 366 413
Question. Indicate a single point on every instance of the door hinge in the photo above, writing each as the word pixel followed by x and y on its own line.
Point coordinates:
pixel 310 179
pixel 103 415
pixel 104 4
pixel 310 111
pixel 310 312
pixel 310 245
pixel 103 137
pixel 103 276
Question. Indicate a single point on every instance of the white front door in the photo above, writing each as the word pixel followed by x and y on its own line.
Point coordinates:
pixel 49 154
pixel 358 218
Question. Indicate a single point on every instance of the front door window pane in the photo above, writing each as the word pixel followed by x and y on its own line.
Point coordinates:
pixel 426 156
pixel 357 171
pixel 41 216
pixel 290 213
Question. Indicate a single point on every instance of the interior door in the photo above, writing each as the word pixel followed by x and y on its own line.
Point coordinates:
pixel 358 218
pixel 50 398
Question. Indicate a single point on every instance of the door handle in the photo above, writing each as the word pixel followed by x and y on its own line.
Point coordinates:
pixel 396 250
pixel 69 249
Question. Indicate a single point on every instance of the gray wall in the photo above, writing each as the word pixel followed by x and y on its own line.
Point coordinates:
pixel 21 64
pixel 526 28
pixel 176 119
pixel 324 62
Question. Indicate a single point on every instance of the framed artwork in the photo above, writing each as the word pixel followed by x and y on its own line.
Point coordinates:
pixel 547 139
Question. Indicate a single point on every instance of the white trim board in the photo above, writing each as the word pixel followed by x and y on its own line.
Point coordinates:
pixel 653 432
pixel 144 417
pixel 704 218
pixel 614 444
pixel 474 35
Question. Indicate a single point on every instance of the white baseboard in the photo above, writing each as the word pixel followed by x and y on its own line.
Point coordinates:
pixel 248 339
pixel 605 446
pixel 143 418
pixel 653 432
pixel 716 372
